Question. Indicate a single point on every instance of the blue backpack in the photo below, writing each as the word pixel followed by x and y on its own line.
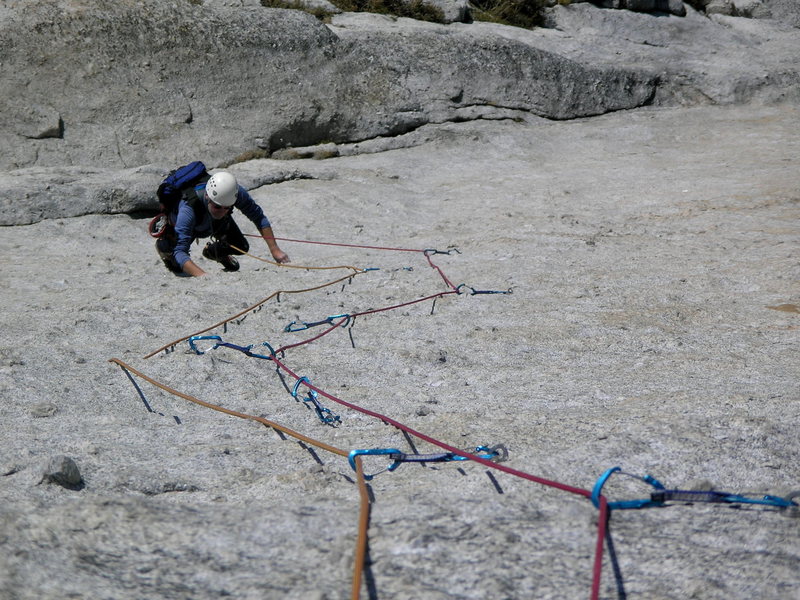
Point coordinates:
pixel 179 182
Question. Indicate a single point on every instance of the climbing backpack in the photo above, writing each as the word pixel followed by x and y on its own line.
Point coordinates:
pixel 179 184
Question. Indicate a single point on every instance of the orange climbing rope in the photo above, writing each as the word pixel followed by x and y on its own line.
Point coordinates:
pixel 252 308
pixel 363 520
pixel 292 266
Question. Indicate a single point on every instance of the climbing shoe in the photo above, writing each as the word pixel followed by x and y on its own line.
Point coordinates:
pixel 226 260
pixel 172 265
pixel 165 254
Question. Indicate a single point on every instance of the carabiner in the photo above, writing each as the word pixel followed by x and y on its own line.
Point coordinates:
pixel 196 338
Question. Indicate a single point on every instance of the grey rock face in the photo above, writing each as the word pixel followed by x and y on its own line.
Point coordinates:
pixel 454 11
pixel 30 195
pixel 784 11
pixel 675 7
pixel 720 7
pixel 44 410
pixel 131 83
pixel 98 100
pixel 63 471
pixel 653 322
pixel 39 122
pixel 645 249
pixel 699 60
pixel 113 85
pixel 754 9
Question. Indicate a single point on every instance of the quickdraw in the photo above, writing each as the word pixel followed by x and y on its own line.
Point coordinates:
pixel 248 350
pixel 302 325
pixel 474 292
pixel 497 453
pixel 662 495
pixel 326 415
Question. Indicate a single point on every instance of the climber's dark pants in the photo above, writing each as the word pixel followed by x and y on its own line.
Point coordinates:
pixel 226 234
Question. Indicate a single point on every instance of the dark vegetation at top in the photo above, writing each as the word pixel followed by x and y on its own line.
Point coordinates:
pixel 519 13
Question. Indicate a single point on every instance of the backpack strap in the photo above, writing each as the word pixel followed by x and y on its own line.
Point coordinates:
pixel 193 200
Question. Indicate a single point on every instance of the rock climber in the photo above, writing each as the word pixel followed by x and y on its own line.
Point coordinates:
pixel 206 211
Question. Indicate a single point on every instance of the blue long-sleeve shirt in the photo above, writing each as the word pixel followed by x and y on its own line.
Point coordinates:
pixel 190 226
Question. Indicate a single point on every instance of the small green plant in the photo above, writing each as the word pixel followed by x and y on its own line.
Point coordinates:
pixel 519 13
pixel 245 156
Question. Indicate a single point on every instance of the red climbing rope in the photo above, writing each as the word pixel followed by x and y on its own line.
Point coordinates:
pixel 603 505
pixel 340 244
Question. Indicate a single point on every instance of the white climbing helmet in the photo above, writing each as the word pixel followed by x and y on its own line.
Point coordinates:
pixel 222 188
